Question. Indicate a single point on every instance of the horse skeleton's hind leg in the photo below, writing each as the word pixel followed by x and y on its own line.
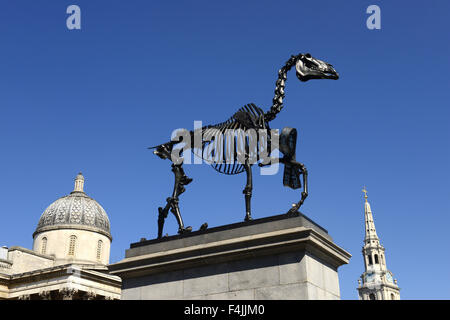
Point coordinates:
pixel 304 172
pixel 248 191
pixel 172 202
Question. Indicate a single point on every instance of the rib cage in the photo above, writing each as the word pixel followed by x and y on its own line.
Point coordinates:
pixel 232 149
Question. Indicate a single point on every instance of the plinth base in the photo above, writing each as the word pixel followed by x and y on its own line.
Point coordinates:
pixel 278 257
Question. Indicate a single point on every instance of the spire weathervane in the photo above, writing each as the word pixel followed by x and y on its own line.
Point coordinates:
pixel 365 192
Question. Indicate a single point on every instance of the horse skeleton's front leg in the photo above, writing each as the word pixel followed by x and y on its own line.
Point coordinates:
pixel 172 202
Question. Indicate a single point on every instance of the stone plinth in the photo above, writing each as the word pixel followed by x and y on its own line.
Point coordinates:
pixel 278 257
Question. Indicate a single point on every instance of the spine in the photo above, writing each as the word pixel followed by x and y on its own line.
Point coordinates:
pixel 277 101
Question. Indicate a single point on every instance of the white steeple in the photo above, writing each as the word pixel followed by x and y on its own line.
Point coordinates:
pixel 371 232
pixel 377 281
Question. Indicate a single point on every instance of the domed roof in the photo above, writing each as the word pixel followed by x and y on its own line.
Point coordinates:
pixel 77 211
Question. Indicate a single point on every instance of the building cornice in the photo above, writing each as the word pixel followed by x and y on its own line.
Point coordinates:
pixel 72 227
pixel 64 271
pixel 22 249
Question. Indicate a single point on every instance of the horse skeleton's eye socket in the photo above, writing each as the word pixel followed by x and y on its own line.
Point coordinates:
pixel 310 64
pixel 308 55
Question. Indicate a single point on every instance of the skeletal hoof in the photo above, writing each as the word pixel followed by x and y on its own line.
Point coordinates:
pixel 185 230
pixel 204 226
pixel 293 210
pixel 248 218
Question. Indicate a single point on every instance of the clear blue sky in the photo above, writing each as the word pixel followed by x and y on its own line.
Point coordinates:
pixel 92 100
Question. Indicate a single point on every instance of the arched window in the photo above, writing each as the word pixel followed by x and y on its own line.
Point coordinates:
pixel 376 259
pixel 99 249
pixel 72 244
pixel 370 259
pixel 44 245
pixel 392 296
pixel 372 297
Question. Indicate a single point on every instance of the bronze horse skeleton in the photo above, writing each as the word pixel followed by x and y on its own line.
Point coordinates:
pixel 246 118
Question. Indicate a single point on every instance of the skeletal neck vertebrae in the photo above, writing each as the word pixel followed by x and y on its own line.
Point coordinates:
pixel 277 101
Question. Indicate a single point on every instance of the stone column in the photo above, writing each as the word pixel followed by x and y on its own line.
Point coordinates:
pixel 89 296
pixel 68 293
pixel 45 295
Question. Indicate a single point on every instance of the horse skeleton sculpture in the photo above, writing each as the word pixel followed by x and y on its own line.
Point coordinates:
pixel 247 118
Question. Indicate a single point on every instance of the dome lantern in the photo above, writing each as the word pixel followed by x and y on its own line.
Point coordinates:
pixel 79 183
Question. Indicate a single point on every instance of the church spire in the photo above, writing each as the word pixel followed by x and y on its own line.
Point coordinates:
pixel 371 232
pixel 377 281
